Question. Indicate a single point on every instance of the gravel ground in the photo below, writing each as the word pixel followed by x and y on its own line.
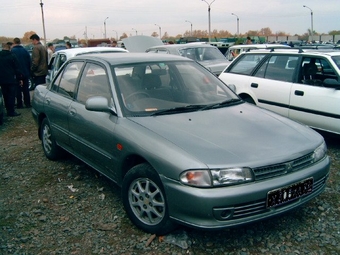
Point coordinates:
pixel 65 207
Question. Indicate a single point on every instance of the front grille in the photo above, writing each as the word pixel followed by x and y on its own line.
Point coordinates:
pixel 283 168
pixel 259 207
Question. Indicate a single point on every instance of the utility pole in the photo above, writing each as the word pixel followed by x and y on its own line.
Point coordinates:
pixel 43 20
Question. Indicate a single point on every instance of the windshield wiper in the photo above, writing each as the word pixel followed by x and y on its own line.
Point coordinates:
pixel 222 104
pixel 188 108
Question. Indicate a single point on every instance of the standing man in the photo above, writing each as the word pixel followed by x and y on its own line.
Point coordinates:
pixel 24 59
pixel 39 61
pixel 50 51
pixel 68 45
pixel 10 77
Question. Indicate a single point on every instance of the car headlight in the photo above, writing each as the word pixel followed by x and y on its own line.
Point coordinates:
pixel 320 152
pixel 232 176
pixel 217 177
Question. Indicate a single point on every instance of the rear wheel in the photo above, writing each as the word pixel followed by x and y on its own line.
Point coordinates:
pixel 144 200
pixel 31 84
pixel 51 149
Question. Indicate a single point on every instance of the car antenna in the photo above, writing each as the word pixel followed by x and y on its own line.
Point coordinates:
pixel 300 50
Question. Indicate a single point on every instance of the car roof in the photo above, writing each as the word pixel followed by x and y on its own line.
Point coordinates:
pixel 78 51
pixel 259 46
pixel 316 52
pixel 122 58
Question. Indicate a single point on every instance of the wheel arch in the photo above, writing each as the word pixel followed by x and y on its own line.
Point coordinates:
pixel 248 98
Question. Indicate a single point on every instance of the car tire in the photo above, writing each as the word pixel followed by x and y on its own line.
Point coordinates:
pixel 51 149
pixel 144 200
pixel 1 118
pixel 31 85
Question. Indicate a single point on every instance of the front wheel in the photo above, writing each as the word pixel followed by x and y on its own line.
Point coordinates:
pixel 51 149
pixel 144 200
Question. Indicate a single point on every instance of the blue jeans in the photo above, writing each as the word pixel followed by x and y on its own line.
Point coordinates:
pixel 23 91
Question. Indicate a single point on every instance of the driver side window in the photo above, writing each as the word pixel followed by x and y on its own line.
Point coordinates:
pixel 94 82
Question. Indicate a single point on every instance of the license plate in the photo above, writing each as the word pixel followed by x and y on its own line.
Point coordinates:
pixel 289 193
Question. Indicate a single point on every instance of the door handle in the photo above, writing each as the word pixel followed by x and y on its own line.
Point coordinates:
pixel 72 112
pixel 299 93
pixel 254 85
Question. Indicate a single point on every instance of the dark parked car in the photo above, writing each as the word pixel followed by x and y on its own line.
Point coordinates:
pixel 181 145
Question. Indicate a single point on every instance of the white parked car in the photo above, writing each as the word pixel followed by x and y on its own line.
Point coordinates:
pixel 60 57
pixel 301 85
pixel 235 50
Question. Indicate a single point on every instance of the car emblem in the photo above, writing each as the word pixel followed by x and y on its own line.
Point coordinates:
pixel 289 166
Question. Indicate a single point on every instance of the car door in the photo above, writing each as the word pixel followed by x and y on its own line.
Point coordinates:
pixel 92 133
pixel 59 99
pixel 272 83
pixel 313 104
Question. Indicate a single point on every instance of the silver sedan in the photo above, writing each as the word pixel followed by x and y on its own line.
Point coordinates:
pixel 183 147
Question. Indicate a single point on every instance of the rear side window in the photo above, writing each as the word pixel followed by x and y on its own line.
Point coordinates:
pixel 69 78
pixel 246 63
pixel 280 68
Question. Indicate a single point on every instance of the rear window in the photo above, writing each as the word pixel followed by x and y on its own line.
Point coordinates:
pixel 246 63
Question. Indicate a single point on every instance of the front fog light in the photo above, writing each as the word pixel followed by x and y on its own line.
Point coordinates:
pixel 232 176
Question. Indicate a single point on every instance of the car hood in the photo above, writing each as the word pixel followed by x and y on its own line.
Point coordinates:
pixel 238 134
pixel 216 66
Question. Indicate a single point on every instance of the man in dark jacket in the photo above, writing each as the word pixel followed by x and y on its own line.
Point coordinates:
pixel 25 67
pixel 39 61
pixel 10 76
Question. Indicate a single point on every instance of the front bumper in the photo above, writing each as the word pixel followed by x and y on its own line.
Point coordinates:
pixel 223 207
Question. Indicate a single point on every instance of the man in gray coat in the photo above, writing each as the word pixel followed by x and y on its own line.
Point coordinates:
pixel 39 65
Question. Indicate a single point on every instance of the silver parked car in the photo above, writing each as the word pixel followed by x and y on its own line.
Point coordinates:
pixel 181 145
pixel 207 55
pixel 59 57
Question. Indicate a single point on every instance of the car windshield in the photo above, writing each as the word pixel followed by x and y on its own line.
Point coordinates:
pixel 200 54
pixel 336 60
pixel 169 87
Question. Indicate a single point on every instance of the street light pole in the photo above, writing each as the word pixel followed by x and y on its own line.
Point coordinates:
pixel 135 30
pixel 190 27
pixel 43 20
pixel 311 21
pixel 209 16
pixel 160 31
pixel 238 24
pixel 116 34
pixel 105 27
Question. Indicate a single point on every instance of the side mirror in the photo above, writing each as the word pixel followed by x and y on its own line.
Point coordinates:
pixel 98 104
pixel 331 83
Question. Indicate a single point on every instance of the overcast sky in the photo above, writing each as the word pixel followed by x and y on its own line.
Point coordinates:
pixel 74 17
